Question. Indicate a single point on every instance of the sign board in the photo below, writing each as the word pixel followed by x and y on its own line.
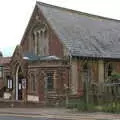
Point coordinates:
pixel 10 84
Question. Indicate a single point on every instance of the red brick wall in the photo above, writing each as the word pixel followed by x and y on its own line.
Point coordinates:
pixel 55 46
pixel 25 46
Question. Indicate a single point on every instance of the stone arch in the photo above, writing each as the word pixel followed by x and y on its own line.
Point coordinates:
pixel 19 75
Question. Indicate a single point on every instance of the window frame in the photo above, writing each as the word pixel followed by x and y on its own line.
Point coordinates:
pixel 50 81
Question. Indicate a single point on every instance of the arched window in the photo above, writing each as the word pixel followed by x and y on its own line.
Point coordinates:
pixel 40 39
pixel 45 33
pixel 38 42
pixel 50 81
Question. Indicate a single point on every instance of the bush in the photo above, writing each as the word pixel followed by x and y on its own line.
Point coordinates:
pixel 112 107
pixel 80 105
pixel 115 76
pixel 72 103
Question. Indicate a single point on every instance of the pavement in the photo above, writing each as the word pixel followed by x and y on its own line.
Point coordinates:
pixel 57 113
pixel 24 118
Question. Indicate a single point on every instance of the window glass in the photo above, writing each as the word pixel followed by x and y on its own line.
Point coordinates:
pixel 49 81
pixel 10 83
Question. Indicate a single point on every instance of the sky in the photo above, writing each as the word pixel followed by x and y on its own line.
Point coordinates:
pixel 15 14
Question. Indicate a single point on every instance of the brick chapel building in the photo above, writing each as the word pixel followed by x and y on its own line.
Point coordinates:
pixel 60 49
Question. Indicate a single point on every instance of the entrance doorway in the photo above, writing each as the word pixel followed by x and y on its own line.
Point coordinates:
pixel 19 77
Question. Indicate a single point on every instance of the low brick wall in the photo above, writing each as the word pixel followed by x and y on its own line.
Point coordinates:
pixel 19 104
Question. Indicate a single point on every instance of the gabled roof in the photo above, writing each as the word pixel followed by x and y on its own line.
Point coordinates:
pixel 84 34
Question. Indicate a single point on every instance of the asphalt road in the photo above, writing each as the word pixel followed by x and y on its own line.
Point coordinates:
pixel 14 117
pixel 30 117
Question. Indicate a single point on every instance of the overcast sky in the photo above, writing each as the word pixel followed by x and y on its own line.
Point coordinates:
pixel 15 14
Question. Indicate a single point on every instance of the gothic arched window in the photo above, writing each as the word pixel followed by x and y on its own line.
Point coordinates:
pixel 40 39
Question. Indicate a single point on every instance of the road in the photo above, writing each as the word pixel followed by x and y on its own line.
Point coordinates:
pixel 52 114
pixel 22 117
pixel 35 117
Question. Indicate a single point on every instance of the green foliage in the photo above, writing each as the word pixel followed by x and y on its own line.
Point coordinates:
pixel 73 103
pixel 80 105
pixel 112 107
pixel 115 76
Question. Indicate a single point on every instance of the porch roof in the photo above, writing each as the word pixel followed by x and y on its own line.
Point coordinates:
pixel 33 57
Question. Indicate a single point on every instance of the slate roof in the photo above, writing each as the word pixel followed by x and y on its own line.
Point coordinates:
pixel 83 34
